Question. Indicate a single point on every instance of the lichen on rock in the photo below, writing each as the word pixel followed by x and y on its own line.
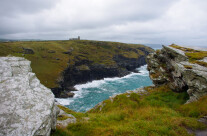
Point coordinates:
pixel 172 66
pixel 27 107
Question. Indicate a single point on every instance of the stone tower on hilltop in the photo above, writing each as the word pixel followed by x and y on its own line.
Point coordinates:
pixel 75 38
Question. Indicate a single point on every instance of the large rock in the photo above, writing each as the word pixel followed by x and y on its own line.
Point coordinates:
pixel 171 66
pixel 27 108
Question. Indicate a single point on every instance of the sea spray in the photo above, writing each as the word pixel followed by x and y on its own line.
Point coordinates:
pixel 91 93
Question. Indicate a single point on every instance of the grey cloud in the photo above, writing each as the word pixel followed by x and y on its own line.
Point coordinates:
pixel 135 21
pixel 15 7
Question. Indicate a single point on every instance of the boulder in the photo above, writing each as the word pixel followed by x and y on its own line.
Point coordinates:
pixel 27 108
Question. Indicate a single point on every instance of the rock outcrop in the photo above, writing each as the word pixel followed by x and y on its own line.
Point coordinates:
pixel 27 108
pixel 171 66
pixel 63 118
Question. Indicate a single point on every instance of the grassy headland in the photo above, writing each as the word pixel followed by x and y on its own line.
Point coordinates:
pixel 51 58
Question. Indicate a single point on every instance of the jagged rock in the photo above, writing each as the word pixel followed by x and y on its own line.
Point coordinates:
pixel 60 93
pixel 168 66
pixel 26 107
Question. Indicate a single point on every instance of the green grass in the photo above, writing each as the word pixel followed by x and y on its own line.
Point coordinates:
pixel 49 66
pixel 158 112
pixel 193 55
pixel 78 115
pixel 196 55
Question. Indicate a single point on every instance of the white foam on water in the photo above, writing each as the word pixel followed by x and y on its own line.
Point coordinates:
pixel 82 88
pixel 93 84
pixel 80 93
pixel 63 101
pixel 97 83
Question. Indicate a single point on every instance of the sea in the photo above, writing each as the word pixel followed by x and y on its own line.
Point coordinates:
pixel 92 93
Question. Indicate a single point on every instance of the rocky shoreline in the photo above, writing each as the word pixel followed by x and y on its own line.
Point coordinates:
pixel 85 71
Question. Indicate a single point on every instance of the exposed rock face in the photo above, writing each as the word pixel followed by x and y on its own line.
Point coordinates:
pixel 27 107
pixel 69 118
pixel 85 70
pixel 171 66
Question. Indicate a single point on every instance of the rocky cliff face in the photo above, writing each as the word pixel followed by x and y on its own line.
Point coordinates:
pixel 27 107
pixel 171 66
pixel 85 70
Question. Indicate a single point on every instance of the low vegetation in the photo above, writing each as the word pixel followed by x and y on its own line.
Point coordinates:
pixel 50 58
pixel 157 112
pixel 195 56
pixel 188 66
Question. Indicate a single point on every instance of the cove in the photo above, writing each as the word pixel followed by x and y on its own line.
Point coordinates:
pixel 91 93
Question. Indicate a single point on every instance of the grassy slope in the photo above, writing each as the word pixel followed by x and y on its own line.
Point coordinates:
pixel 158 112
pixel 48 69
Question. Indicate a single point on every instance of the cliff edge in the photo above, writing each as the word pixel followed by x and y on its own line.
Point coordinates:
pixel 27 107
pixel 184 69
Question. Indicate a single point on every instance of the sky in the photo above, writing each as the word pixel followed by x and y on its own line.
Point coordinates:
pixel 182 22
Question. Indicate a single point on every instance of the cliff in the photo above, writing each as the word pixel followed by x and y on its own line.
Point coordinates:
pixel 184 69
pixel 61 64
pixel 153 110
pixel 27 108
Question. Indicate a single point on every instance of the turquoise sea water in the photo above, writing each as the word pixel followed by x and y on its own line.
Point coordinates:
pixel 91 93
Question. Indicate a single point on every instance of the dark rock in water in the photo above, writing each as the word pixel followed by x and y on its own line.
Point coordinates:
pixel 60 93
pixel 27 51
pixel 66 95
pixel 71 88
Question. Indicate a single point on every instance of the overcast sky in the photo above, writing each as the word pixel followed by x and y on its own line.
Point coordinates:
pixel 182 22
